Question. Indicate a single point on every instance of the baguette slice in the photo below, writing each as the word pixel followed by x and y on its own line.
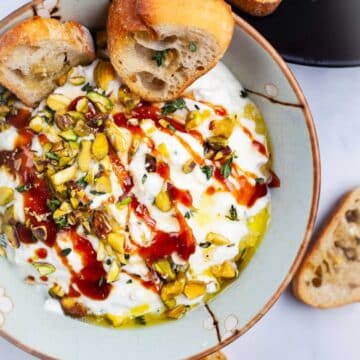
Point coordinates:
pixel 159 47
pixel 36 52
pixel 330 274
pixel 257 7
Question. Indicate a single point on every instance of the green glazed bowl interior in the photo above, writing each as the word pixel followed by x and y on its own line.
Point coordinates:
pixel 296 161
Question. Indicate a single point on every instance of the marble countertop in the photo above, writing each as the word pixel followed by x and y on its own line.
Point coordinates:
pixel 291 329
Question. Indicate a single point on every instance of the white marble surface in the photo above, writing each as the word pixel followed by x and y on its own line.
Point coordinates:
pixel 290 329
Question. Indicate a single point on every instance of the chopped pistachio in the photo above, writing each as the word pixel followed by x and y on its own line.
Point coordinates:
pixel 194 289
pixel 120 138
pixel 100 146
pixel 193 120
pixel 101 252
pixel 189 166
pixel 6 195
pixel 43 268
pixel 58 102
pixel 64 176
pixel 163 267
pixel 226 270
pixel 163 150
pixel 69 135
pixel 162 201
pixel 103 74
pixel 72 307
pixel 114 272
pixel 223 127
pixel 116 320
pixel 103 103
pixel 36 124
pixel 217 142
pixel 177 312
pixel 82 105
pixel 56 291
pixel 85 155
pixel 217 239
pixel 81 129
pixel 77 80
pixel 128 99
pixel 11 235
pixel 171 289
pixel 116 241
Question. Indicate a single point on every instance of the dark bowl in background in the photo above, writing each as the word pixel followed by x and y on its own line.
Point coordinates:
pixel 314 32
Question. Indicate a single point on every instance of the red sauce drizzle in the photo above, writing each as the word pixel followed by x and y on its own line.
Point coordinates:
pixel 261 148
pixel 246 194
pixel 143 213
pixel 145 110
pixel 20 120
pixel 44 278
pixel 35 203
pixel 91 279
pixel 41 253
pixel 183 196
pixel 275 181
pixel 121 173
pixel 164 244
pixel 24 138
pixel 219 110
pixel 163 169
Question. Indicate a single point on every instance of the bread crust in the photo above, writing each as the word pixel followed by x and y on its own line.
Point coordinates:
pixel 298 285
pixel 130 16
pixel 257 7
pixel 32 32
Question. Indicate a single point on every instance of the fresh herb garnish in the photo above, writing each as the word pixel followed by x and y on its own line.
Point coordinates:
pixel 233 215
pixel 160 57
pixel 208 171
pixel 82 182
pixel 189 214
pixel 53 204
pixel 144 178
pixel 65 252
pixel 205 245
pixel 172 106
pixel 192 46
pixel 226 168
pixel 61 222
pixel 127 256
pixel 94 192
pixel 23 188
pixel 52 156
pixel 260 181
pixel 140 320
pixel 108 262
pixel 243 93
pixel 129 281
pixel 87 87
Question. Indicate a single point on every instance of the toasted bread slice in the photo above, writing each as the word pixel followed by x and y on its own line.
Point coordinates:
pixel 330 274
pixel 257 7
pixel 159 47
pixel 36 52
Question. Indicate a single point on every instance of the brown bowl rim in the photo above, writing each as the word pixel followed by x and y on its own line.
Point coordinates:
pixel 257 37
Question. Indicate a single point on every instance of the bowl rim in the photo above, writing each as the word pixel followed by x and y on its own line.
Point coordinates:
pixel 303 105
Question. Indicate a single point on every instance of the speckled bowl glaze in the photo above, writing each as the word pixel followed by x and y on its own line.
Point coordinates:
pixel 273 88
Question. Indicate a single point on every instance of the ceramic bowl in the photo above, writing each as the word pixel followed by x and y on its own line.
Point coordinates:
pixel 273 88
